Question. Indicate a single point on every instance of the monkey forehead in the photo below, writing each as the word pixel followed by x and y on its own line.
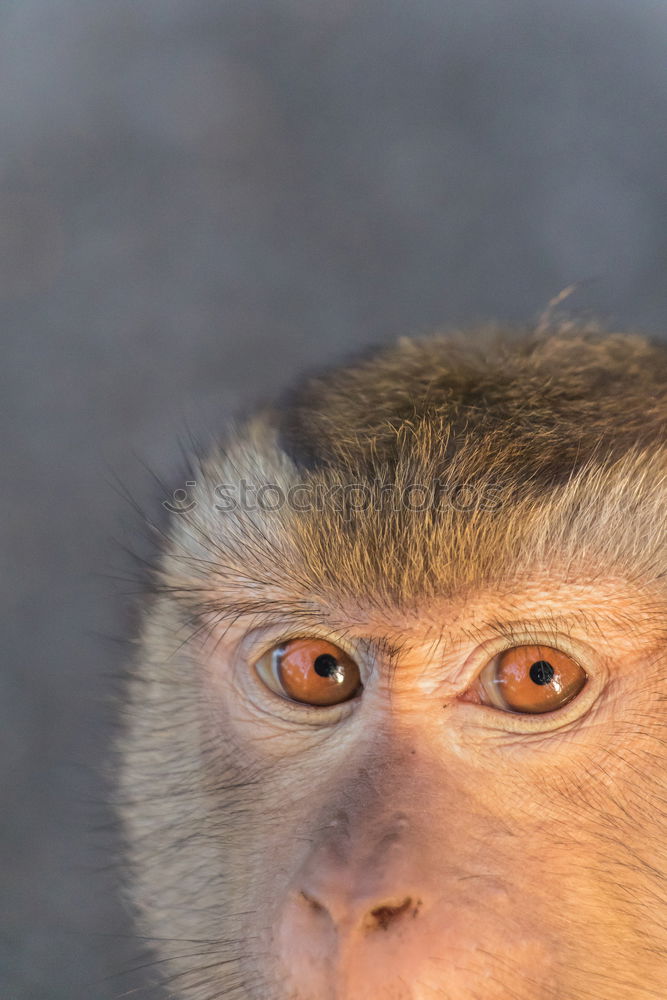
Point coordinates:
pixel 562 566
pixel 437 467
pixel 605 521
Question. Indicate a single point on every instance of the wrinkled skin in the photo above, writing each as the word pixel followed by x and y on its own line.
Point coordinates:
pixel 410 844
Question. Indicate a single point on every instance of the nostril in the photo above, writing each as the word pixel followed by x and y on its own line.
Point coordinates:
pixel 313 903
pixel 345 913
pixel 381 917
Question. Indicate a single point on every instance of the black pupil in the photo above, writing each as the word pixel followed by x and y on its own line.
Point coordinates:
pixel 541 672
pixel 327 665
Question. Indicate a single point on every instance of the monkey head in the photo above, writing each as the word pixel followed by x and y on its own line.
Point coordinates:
pixel 396 726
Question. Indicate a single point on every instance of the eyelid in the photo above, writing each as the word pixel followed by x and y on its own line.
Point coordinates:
pixel 490 718
pixel 528 633
pixel 256 643
pixel 514 635
pixel 495 646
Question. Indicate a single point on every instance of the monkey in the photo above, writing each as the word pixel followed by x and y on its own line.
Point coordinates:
pixel 396 722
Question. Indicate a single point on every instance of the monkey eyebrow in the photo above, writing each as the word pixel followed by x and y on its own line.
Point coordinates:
pixel 214 614
pixel 259 610
pixel 205 609
pixel 514 629
pixel 591 623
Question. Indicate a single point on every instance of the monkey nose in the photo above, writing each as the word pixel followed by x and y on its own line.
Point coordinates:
pixel 366 915
pixel 335 944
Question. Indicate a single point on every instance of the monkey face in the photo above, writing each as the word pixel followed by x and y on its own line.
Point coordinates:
pixel 412 752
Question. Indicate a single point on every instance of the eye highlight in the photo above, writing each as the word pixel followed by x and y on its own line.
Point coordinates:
pixel 310 670
pixel 531 680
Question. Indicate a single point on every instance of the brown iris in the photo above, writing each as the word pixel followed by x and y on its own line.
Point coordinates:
pixel 535 679
pixel 310 670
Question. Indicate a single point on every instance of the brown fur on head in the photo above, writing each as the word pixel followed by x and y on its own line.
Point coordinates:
pixel 452 462
pixel 435 470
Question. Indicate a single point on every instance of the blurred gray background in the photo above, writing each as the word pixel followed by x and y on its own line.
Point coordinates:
pixel 199 199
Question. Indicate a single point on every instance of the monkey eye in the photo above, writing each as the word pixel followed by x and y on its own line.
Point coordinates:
pixel 530 679
pixel 312 671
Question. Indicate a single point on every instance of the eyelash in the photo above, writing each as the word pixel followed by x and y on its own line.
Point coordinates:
pixel 520 634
